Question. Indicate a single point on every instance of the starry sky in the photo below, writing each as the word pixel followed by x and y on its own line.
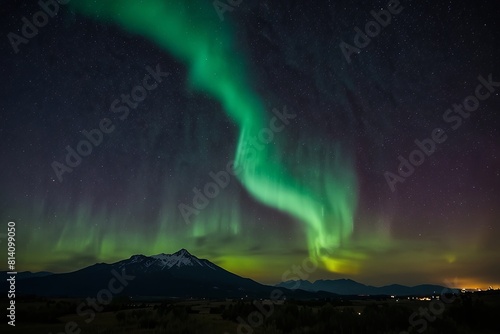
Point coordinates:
pixel 252 136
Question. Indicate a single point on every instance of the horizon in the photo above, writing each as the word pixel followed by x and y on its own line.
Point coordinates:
pixel 483 287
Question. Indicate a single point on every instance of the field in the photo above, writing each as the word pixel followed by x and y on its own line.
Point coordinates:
pixel 468 313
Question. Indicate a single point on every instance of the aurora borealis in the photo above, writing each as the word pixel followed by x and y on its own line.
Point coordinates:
pixel 315 188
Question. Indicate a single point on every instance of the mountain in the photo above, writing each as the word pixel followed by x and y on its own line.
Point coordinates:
pixel 183 275
pixel 353 288
pixel 179 275
pixel 27 274
pixel 165 262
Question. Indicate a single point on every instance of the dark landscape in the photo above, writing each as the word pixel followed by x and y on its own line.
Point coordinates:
pixel 180 293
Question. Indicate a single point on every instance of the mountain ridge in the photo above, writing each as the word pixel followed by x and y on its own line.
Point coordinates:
pixel 177 275
pixel 345 286
pixel 182 274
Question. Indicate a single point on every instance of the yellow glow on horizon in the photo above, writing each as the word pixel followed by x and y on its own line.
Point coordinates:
pixel 340 266
pixel 470 283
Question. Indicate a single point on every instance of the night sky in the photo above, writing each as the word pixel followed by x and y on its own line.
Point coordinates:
pixel 317 144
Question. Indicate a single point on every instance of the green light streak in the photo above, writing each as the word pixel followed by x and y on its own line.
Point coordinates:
pixel 325 200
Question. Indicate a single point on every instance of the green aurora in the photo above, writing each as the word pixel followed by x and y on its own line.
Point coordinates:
pixel 315 191
pixel 325 200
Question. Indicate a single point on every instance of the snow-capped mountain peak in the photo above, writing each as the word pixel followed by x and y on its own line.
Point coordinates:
pixel 178 259
pixel 160 262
